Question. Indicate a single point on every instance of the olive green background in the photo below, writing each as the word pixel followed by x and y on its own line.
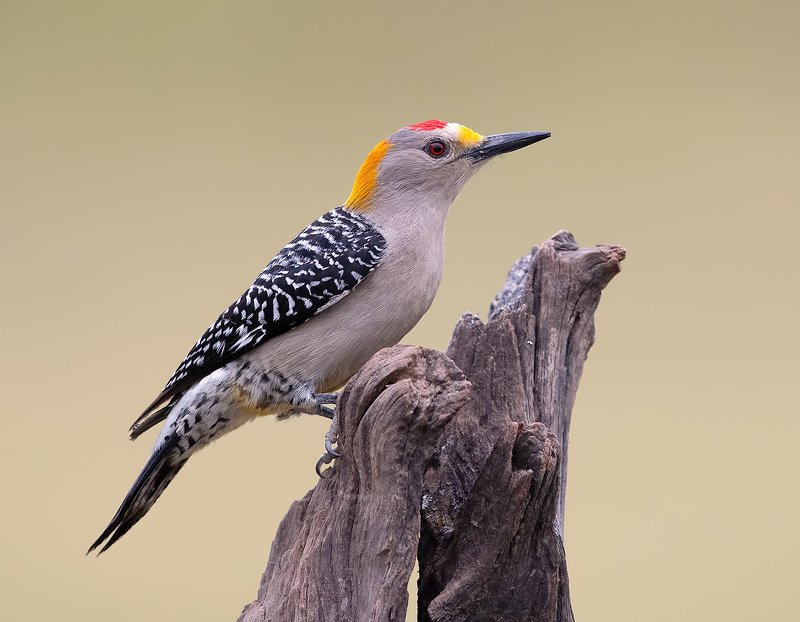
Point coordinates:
pixel 154 156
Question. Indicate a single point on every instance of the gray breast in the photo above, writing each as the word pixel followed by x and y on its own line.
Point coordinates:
pixel 330 347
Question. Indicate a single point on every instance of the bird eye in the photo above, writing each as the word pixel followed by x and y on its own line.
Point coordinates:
pixel 436 148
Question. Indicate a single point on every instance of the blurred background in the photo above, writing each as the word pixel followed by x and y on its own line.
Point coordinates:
pixel 155 155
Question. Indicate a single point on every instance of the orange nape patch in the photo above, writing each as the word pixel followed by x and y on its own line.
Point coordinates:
pixel 366 179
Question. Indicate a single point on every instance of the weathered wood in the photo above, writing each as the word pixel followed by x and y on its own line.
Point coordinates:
pixel 493 502
pixel 347 549
pixel 472 478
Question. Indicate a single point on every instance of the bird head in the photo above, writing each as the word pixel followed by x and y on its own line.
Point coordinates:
pixel 424 166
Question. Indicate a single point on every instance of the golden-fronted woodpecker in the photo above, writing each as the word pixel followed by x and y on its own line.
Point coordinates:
pixel 354 281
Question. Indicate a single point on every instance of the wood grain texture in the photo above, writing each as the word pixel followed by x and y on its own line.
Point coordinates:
pixel 459 460
pixel 347 549
pixel 493 501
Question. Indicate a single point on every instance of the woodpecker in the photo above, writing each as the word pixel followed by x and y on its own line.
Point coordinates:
pixel 354 281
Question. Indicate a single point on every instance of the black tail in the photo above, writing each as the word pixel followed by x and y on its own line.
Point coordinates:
pixel 160 470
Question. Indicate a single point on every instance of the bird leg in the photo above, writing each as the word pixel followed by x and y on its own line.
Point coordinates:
pixel 313 406
pixel 319 405
pixel 326 398
pixel 325 411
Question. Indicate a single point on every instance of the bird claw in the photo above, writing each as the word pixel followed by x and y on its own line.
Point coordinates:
pixel 324 459
pixel 329 448
pixel 331 452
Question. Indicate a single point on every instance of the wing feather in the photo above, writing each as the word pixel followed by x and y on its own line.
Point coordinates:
pixel 323 264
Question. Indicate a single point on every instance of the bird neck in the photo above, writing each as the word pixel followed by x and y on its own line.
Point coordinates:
pixel 412 211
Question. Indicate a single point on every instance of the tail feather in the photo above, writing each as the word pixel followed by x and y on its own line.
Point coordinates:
pixel 160 470
pixel 207 414
pixel 151 417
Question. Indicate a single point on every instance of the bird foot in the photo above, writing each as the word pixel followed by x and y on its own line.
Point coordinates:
pixel 331 452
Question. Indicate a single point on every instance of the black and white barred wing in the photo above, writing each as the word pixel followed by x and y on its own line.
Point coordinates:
pixel 315 270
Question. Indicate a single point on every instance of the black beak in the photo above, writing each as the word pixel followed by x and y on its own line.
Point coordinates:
pixel 503 143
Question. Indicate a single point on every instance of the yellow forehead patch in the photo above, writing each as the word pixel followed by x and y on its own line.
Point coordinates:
pixel 366 178
pixel 468 137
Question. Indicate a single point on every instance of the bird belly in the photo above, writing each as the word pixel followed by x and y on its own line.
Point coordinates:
pixel 258 392
pixel 230 396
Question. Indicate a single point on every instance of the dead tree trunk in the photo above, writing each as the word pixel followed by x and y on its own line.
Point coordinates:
pixel 460 462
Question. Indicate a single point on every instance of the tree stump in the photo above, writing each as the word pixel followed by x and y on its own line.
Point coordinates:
pixel 459 460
